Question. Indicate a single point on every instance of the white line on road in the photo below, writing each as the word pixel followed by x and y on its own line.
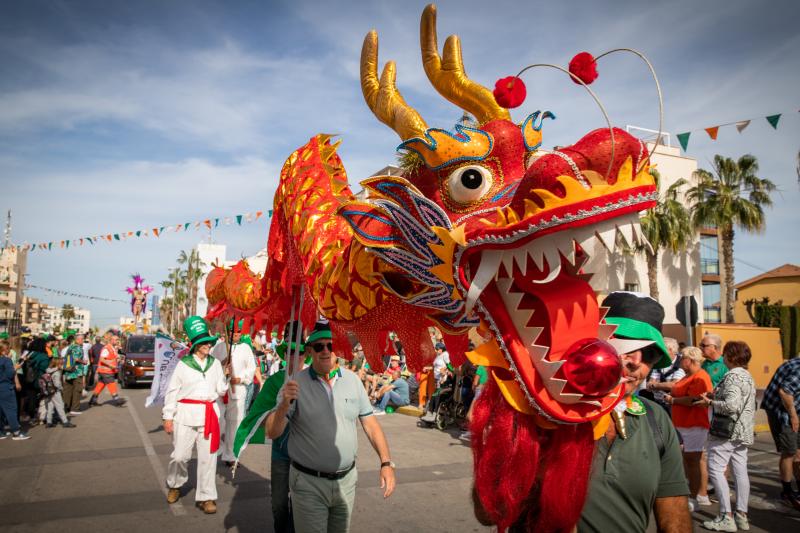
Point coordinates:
pixel 176 508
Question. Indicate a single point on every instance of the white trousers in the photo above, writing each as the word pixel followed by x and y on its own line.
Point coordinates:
pixel 184 439
pixel 56 403
pixel 234 414
pixel 720 453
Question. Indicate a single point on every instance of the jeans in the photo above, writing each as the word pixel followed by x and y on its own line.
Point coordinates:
pixel 279 488
pixel 392 397
pixel 8 405
pixel 720 453
pixel 322 505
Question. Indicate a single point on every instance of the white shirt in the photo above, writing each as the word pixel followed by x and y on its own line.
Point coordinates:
pixel 188 383
pixel 243 363
pixel 275 366
pixel 86 347
pixel 439 364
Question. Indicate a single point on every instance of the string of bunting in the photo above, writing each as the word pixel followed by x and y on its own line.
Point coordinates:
pixel 155 232
pixel 72 294
pixel 713 131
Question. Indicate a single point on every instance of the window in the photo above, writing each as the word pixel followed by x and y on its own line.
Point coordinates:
pixel 711 302
pixel 631 287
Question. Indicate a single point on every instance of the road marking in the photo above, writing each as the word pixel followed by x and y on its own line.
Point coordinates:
pixel 176 508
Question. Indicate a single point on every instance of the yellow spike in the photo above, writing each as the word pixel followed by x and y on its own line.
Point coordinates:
pixel 625 174
pixel 501 219
pixel 513 395
pixel 530 207
pixel 511 215
pixel 600 426
pixel 488 354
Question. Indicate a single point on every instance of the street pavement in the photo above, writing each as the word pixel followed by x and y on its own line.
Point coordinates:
pixel 108 475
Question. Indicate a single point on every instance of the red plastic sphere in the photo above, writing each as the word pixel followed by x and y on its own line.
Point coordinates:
pixel 592 367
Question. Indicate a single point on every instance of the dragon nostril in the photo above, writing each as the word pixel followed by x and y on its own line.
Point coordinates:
pixel 592 367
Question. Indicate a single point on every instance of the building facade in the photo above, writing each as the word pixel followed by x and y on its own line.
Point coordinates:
pixel 780 284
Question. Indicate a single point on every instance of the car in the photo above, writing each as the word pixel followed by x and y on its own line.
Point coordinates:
pixel 138 365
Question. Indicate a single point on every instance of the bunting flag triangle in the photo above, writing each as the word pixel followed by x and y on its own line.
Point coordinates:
pixel 227 221
pixel 116 236
pixel 49 245
pixel 683 138
pixel 239 219
pixel 186 226
pixel 67 243
pixel 248 217
pixel 207 222
pixel 258 214
pixel 773 120
pixel 155 232
pixel 712 132
pixel 216 222
pixel 62 244
pixel 130 234
pixel 161 229
pixel 197 225
pixel 81 240
pixel 178 228
pixel 138 233
pixel 269 213
pixel 108 238
pixel 740 126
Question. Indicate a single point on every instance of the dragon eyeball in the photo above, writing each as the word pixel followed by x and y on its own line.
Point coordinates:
pixel 469 183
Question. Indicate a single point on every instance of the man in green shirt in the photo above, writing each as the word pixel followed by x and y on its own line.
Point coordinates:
pixel 714 364
pixel 637 467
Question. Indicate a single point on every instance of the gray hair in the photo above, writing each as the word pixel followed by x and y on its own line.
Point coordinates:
pixel 672 345
pixel 716 339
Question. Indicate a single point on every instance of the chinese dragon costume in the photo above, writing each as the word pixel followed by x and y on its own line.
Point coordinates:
pixel 483 230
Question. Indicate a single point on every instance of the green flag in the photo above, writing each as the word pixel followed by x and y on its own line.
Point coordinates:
pixel 773 120
pixel 239 219
pixel 49 245
pixel 216 222
pixel 67 243
pixel 116 236
pixel 251 430
pixel 139 233
pixel 186 226
pixel 683 138
pixel 269 213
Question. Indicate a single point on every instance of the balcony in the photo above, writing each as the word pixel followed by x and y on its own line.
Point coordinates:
pixel 712 314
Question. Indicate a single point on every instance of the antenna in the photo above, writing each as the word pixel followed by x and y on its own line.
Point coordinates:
pixel 7 231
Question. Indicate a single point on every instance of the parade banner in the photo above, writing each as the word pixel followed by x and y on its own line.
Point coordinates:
pixel 168 353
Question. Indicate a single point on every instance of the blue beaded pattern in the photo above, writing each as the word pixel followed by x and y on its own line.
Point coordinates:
pixel 461 135
pixel 532 119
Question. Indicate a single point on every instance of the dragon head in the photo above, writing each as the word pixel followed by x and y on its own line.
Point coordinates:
pixel 489 232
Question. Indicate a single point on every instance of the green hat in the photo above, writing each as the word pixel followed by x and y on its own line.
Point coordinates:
pixel 245 339
pixel 197 331
pixel 639 319
pixel 3 334
pixel 322 330
pixel 282 348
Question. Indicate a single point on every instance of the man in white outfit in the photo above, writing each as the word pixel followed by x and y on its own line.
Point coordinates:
pixel 243 369
pixel 191 415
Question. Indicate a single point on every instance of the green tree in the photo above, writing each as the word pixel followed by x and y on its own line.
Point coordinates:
pixel 730 196
pixel 67 312
pixel 192 275
pixel 667 227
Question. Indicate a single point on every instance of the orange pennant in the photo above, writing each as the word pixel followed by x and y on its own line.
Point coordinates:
pixel 712 132
pixel 207 222
pixel 258 214
pixel 109 237
pixel 155 232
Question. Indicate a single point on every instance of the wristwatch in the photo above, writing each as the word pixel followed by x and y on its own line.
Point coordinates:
pixel 388 463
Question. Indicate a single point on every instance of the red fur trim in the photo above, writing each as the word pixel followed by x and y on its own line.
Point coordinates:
pixel 584 67
pixel 523 470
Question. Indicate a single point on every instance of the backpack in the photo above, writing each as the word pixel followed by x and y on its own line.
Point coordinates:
pixel 29 373
pixel 46 384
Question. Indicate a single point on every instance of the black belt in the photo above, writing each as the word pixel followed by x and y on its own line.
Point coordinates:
pixel 339 474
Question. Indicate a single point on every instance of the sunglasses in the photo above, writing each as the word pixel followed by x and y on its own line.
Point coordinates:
pixel 319 346
pixel 707 345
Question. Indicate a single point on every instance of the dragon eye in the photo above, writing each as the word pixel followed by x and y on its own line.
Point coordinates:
pixel 469 183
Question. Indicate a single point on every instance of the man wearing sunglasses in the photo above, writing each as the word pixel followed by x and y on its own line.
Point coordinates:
pixel 321 405
pixel 714 364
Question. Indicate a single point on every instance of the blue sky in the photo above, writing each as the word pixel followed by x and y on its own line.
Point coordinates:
pixel 124 115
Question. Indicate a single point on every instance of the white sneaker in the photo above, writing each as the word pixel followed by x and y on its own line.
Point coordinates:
pixel 720 523
pixel 741 521
pixel 692 505
pixel 20 436
pixel 378 412
pixel 75 413
pixel 705 501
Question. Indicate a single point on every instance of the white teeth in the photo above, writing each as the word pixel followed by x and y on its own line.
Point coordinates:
pixel 567 249
pixel 490 262
pixel 538 257
pixel 556 385
pixel 521 259
pixel 607 238
pixel 627 233
pixel 606 330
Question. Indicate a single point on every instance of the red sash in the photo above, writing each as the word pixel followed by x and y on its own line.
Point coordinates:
pixel 211 428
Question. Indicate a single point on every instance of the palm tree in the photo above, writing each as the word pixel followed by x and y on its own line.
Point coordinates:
pixel 667 227
pixel 191 276
pixel 67 312
pixel 732 195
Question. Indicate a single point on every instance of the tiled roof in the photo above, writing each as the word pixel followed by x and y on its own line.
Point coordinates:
pixel 785 271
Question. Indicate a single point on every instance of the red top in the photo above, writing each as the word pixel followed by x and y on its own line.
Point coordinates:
pixel 691 416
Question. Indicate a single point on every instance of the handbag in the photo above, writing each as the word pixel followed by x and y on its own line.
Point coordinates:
pixel 722 426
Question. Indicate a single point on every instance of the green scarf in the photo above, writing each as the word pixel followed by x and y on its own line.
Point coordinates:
pixel 192 363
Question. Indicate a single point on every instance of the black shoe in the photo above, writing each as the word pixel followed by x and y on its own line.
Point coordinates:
pixel 68 425
pixel 92 401
pixel 118 402
pixel 51 425
pixel 791 500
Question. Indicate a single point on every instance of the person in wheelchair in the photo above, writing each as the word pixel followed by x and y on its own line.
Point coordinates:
pixel 444 393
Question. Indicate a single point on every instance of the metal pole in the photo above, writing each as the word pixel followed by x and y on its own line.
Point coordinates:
pixel 687 312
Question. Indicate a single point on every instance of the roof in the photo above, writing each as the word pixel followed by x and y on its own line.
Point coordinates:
pixel 785 271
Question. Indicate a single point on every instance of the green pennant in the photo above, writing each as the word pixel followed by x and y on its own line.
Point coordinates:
pixel 269 213
pixel 116 236
pixel 773 120
pixel 216 222
pixel 67 243
pixel 49 245
pixel 186 226
pixel 138 233
pixel 161 229
pixel 239 219
pixel 90 240
pixel 683 138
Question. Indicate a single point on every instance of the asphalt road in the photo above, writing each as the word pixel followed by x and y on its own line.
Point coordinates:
pixel 108 475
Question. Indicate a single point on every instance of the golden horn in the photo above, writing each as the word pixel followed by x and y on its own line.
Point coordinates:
pixel 448 77
pixel 382 97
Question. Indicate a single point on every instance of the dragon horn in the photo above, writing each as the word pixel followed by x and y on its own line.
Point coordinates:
pixel 382 97
pixel 448 77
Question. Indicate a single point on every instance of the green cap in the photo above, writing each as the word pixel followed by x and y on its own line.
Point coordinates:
pixel 197 331
pixel 245 339
pixel 322 330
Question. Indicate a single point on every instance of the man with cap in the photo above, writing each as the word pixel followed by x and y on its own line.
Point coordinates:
pixel 191 415
pixel 107 372
pixel 321 405
pixel 243 369
pixel 638 467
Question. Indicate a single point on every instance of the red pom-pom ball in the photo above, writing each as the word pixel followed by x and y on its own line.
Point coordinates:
pixel 584 66
pixel 509 92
